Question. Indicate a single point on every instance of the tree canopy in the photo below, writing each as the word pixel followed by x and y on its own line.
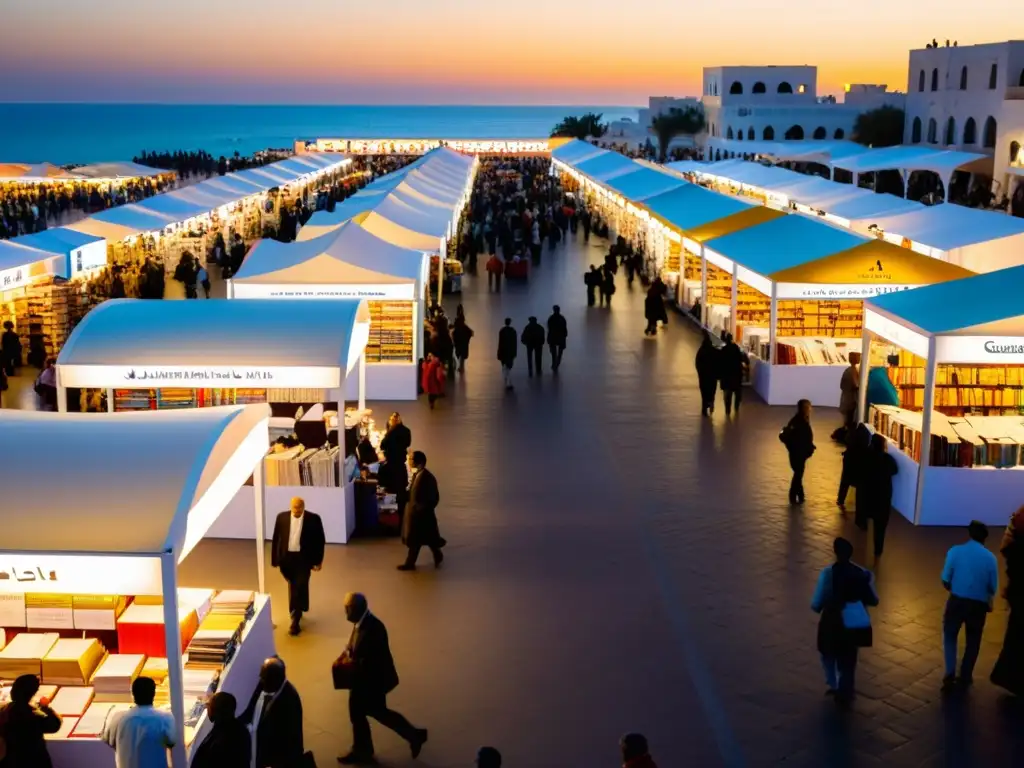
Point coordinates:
pixel 581 126
pixel 676 122
pixel 882 127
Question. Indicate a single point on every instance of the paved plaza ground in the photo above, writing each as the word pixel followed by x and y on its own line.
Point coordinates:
pixel 617 563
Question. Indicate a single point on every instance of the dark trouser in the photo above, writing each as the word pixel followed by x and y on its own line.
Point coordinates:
pixel 556 355
pixel 796 487
pixel 652 327
pixel 881 522
pixel 707 396
pixel 190 291
pixel 586 234
pixel 591 298
pixel 963 612
pixel 414 554
pixel 533 359
pixel 535 251
pixel 494 281
pixel 362 705
pixel 296 573
pixel 728 395
pixel 840 671
pixel 206 288
pixel 844 489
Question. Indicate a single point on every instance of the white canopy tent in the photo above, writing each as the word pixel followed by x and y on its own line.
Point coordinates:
pixel 907 159
pixel 173 474
pixel 349 262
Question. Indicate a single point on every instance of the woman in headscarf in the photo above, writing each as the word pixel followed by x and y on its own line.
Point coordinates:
pixel 1008 672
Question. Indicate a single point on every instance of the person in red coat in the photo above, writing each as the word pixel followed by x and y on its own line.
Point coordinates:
pixel 433 379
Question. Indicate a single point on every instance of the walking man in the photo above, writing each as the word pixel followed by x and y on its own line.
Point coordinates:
pixel 297 549
pixel 971 575
pixel 508 346
pixel 419 524
pixel 372 677
pixel 558 332
pixel 533 340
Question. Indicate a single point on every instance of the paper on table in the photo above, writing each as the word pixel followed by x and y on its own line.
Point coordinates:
pixel 72 701
pixel 50 618
pixel 12 611
pixel 66 727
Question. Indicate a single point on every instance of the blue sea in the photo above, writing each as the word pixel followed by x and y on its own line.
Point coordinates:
pixel 88 133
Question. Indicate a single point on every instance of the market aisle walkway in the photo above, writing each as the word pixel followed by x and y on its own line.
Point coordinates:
pixel 619 563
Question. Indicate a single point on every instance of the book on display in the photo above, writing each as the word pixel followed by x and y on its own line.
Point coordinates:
pixel 113 680
pixel 72 701
pixel 72 661
pixel 24 654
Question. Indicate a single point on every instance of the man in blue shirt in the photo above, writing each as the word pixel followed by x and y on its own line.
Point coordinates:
pixel 971 575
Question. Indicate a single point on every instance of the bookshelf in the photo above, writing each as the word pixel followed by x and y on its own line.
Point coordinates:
pixel 171 398
pixel 842 319
pixel 960 390
pixel 391 332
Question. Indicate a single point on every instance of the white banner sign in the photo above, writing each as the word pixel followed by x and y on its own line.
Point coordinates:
pixel 825 291
pixel 898 334
pixel 79 575
pixel 422 146
pixel 980 349
pixel 16 277
pixel 397 292
pixel 197 377
pixel 88 257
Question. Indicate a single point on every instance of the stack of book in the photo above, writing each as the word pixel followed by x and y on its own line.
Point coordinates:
pixel 90 725
pixel 141 630
pixel 113 680
pixel 235 602
pixel 24 655
pixel 72 662
pixel 97 611
pixel 72 701
pixel 199 683
pixel 215 641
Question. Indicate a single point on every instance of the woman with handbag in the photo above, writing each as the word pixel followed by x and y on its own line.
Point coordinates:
pixel 843 593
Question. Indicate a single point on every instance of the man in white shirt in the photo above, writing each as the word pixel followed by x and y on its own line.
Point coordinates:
pixel 297 549
pixel 142 735
pixel 971 574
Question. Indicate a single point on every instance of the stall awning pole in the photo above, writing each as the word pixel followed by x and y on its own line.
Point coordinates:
pixel 930 368
pixel 362 381
pixel 259 486
pixel 773 320
pixel 734 301
pixel 703 288
pixel 865 369
pixel 172 641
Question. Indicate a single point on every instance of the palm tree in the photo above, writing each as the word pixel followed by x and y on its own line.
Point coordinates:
pixel 676 122
pixel 584 126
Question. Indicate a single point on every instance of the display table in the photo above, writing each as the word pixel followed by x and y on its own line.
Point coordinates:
pixel 787 384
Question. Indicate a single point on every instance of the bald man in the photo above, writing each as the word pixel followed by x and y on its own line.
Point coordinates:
pixel 297 549
pixel 274 716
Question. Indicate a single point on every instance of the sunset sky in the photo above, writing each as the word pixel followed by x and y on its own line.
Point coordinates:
pixel 456 51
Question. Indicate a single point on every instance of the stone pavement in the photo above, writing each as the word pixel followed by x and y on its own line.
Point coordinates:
pixel 617 563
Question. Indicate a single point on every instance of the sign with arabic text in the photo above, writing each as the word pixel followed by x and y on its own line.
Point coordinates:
pixel 383 292
pixel 825 291
pixel 198 377
pixel 79 575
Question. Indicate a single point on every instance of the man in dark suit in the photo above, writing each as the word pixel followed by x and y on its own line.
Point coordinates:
pixel 508 346
pixel 419 525
pixel 275 715
pixel 558 332
pixel 228 744
pixel 297 549
pixel 373 677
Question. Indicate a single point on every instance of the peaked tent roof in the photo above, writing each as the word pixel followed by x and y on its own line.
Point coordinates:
pixel 347 256
pixel 396 234
pixel 871 206
pixel 14 255
pixel 949 226
pixel 910 157
pixel 419 218
pixel 58 240
pixel 322 222
pixel 859 265
pixel 643 183
pixel 606 166
pixel 576 151
pixel 782 243
pixel 961 305
pixel 118 170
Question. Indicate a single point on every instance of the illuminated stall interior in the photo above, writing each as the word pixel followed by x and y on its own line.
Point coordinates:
pixel 949 360
pixel 91 599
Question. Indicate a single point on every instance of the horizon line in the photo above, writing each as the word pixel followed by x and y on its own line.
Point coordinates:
pixel 308 104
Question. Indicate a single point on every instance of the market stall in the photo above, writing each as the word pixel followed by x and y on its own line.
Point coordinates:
pixel 293 354
pixel 89 574
pixel 796 299
pixel 954 354
pixel 349 262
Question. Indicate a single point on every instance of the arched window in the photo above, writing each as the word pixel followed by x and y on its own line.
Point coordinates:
pixel 840 134
pixel 970 131
pixel 795 133
pixel 963 79
pixel 739 134
pixel 758 87
pixel 820 133
pixel 728 133
pixel 950 131
pixel 784 87
pixel 935 79
pixel 920 81
pixel 1014 151
pixel 768 134
pixel 715 87
pixel 989 136
pixel 933 131
pixel 736 87
pixel 915 132
pixel 750 134
pixel 993 75
pixel 718 155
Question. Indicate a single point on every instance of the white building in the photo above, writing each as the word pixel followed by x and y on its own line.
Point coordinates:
pixel 636 133
pixel 778 103
pixel 970 98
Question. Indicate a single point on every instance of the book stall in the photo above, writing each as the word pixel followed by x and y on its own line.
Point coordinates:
pixel 293 354
pixel 89 593
pixel 348 263
pixel 954 354
pixel 762 184
pixel 797 288
pixel 423 146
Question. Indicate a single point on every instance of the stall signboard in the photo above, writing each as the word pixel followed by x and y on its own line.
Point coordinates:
pixel 88 258
pixel 980 350
pixel 757 282
pixel 149 376
pixel 23 573
pixel 15 277
pixel 384 292
pixel 897 334
pixel 789 291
